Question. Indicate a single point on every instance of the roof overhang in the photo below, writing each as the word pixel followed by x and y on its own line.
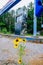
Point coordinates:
pixel 9 5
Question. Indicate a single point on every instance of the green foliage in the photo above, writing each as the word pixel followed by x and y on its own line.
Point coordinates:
pixel 21 50
pixel 7 21
pixel 4 30
pixel 41 32
pixel 30 18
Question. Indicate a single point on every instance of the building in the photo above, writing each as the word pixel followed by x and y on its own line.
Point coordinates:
pixel 20 20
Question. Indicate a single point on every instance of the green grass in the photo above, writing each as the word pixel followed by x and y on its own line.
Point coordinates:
pixel 5 33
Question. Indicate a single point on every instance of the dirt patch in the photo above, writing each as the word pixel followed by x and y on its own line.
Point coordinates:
pixel 9 55
pixel 38 60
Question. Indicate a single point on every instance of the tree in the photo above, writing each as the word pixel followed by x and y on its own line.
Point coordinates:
pixel 30 18
pixel 7 21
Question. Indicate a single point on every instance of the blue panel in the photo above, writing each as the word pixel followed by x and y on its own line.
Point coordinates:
pixel 9 7
pixel 39 7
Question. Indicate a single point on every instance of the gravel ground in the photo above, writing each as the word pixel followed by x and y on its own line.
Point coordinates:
pixel 9 54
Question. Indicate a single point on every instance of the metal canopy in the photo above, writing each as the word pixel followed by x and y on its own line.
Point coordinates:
pixel 9 5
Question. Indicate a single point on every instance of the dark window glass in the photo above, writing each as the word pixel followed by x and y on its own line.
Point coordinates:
pixel 40 2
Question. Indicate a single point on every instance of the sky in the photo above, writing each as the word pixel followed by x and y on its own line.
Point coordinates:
pixel 20 4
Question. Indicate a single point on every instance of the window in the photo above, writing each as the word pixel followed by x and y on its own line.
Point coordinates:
pixel 19 19
pixel 40 2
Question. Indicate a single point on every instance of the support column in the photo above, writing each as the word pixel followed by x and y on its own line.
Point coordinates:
pixel 35 20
